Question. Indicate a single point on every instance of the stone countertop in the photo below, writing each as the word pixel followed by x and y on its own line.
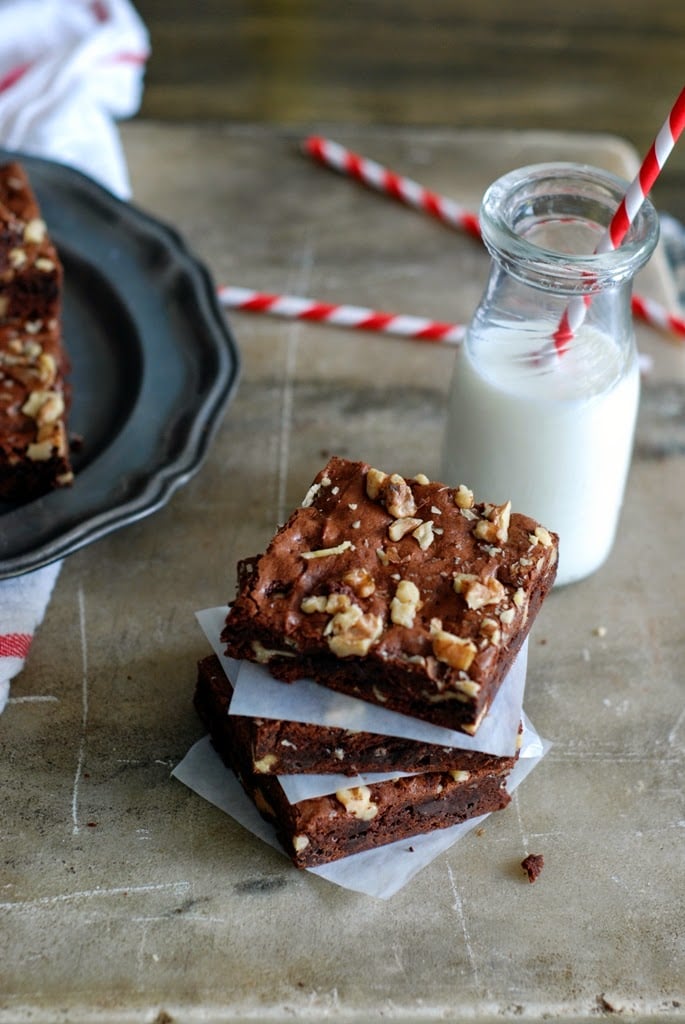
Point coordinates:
pixel 124 896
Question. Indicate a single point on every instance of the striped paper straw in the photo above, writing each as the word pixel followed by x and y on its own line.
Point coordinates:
pixel 627 211
pixel 384 180
pixel 294 307
pixel 651 312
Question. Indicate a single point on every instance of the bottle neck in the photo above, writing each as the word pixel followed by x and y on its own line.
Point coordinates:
pixel 543 224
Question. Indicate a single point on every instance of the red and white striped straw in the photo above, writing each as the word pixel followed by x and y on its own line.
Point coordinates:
pixel 627 211
pixel 654 314
pixel 294 307
pixel 384 180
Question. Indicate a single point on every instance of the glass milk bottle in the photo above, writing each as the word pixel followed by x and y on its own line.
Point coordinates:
pixel 549 423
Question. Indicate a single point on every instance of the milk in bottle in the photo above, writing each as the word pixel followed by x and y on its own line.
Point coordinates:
pixel 550 427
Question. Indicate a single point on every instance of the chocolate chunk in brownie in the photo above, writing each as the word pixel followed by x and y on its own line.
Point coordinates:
pixel 403 592
pixel 278 747
pixel 326 828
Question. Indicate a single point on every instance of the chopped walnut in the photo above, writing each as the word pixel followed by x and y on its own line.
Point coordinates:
pixel 405 604
pixel 495 527
pixel 453 650
pixel 308 499
pixel 300 842
pixel 47 369
pixel 51 410
pixel 490 629
pixel 398 498
pixel 541 536
pixel 313 603
pixel 51 439
pixel 422 479
pixel 44 406
pixel 382 556
pixel 265 764
pixel 35 231
pixel 325 552
pixel 360 581
pixel 463 497
pixel 17 258
pixel 476 592
pixel 331 603
pixel 357 802
pixel 423 535
pixel 264 654
pixel 399 527
pixel 352 632
pixel 460 776
pixel 337 603
pixel 461 579
pixel 375 479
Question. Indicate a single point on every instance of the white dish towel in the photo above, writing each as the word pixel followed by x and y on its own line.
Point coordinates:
pixel 69 69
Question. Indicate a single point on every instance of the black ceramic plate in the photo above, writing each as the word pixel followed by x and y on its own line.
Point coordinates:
pixel 154 365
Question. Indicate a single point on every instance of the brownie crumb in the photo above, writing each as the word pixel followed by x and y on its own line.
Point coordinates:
pixel 533 865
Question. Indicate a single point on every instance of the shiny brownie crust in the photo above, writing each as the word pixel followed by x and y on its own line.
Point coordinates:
pixel 405 593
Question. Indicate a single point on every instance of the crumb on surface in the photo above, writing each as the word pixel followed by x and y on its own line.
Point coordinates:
pixel 533 865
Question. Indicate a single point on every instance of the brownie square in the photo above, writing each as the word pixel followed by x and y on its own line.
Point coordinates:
pixel 34 397
pixel 323 829
pixel 30 269
pixel 278 747
pixel 405 593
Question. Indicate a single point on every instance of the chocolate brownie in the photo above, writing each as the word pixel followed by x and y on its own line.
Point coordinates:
pixel 278 747
pixel 323 829
pixel 16 192
pixel 405 593
pixel 34 397
pixel 30 269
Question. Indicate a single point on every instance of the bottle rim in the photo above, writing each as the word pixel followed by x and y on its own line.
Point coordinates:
pixel 577 192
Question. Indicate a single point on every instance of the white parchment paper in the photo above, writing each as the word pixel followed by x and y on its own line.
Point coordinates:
pixel 258 694
pixel 379 873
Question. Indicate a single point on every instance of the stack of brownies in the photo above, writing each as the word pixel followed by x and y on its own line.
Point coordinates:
pixel 408 595
pixel 34 450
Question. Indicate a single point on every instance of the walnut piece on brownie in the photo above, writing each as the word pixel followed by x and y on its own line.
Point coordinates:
pixel 353 818
pixel 34 398
pixel 403 592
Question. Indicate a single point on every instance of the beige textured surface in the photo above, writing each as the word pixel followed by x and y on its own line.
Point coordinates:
pixel 122 894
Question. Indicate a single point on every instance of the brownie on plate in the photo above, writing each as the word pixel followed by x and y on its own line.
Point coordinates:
pixel 403 592
pixel 323 829
pixel 34 448
pixel 278 747
pixel 30 269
